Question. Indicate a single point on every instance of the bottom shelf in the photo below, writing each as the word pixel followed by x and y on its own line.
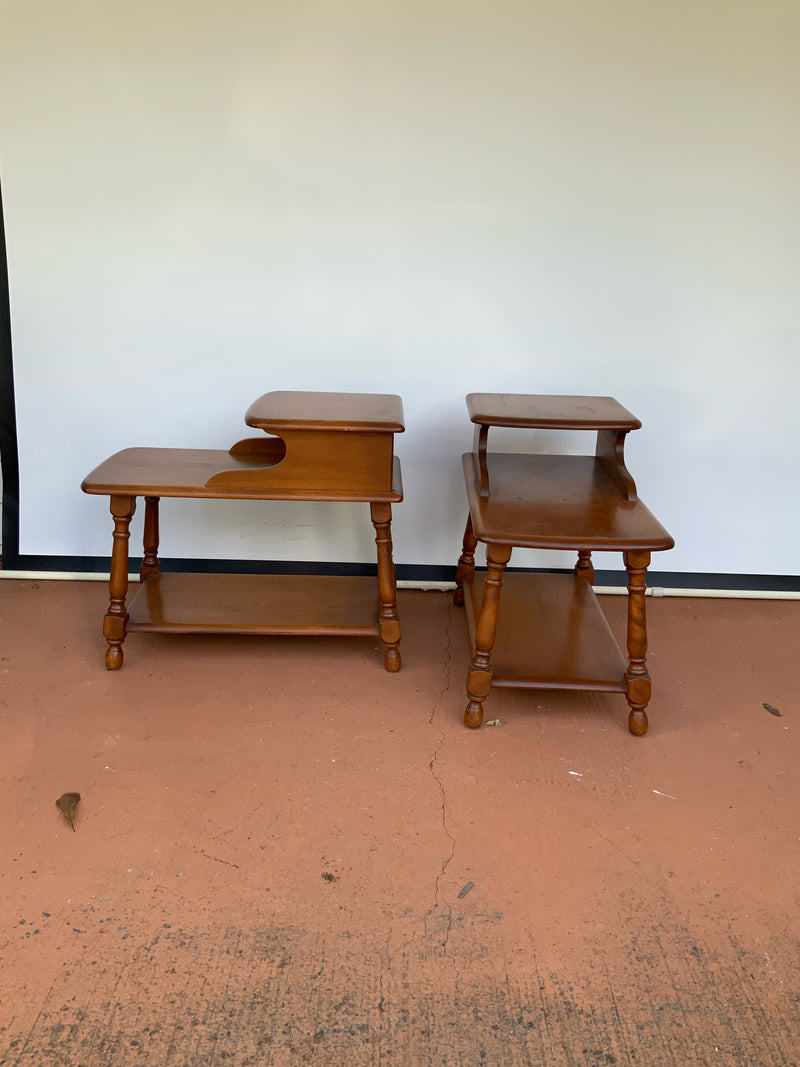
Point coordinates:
pixel 255 604
pixel 551 634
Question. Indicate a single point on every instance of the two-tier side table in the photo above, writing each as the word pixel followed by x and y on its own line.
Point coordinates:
pixel 320 446
pixel 547 631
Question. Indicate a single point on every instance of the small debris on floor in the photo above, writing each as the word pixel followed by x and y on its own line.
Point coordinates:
pixel 328 877
pixel 493 722
pixel 465 890
pixel 66 804
pixel 772 710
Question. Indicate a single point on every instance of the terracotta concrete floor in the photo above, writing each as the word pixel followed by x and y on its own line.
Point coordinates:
pixel 284 854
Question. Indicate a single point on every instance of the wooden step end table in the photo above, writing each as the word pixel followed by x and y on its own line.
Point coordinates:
pixel 547 631
pixel 319 446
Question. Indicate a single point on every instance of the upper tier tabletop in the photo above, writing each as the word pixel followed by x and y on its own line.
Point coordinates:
pixel 365 412
pixel 557 502
pixel 550 412
pixel 185 472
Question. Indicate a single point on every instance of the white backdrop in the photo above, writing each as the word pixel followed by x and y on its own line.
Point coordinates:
pixel 205 202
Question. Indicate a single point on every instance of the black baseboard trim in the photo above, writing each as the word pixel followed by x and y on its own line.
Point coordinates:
pixel 757 583
pixel 410 572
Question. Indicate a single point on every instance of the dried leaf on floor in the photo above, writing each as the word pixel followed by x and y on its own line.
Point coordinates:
pixel 66 804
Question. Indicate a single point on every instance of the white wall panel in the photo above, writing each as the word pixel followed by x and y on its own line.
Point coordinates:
pixel 205 202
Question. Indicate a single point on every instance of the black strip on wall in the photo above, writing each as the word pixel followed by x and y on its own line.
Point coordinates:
pixel 784 583
pixel 9 456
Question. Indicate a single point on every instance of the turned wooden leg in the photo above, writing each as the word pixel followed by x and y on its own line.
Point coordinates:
pixel 116 618
pixel 584 566
pixel 388 621
pixel 150 562
pixel 466 562
pixel 479 675
pixel 637 680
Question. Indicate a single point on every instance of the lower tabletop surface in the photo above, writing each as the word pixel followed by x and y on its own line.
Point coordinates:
pixel 255 604
pixel 544 501
pixel 551 634
pixel 187 472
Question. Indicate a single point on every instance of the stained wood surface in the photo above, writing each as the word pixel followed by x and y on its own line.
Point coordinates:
pixel 557 502
pixel 332 446
pixel 355 412
pixel 319 461
pixel 551 634
pixel 186 472
pixel 256 604
pixel 550 412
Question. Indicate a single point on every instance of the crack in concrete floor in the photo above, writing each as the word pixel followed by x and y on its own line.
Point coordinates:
pixel 437 700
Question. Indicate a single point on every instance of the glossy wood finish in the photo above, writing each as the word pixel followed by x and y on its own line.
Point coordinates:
pixel 150 561
pixel 351 412
pixel 388 621
pixel 302 604
pixel 209 473
pixel 606 416
pixel 532 411
pixel 557 502
pixel 341 441
pixel 637 679
pixel 551 634
pixel 479 675
pixel 547 631
pixel 466 561
pixel 116 617
pixel 332 446
pixel 584 566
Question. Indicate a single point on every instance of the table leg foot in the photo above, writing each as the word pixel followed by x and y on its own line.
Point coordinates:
pixel 114 657
pixel 458 596
pixel 391 659
pixel 473 715
pixel 390 636
pixel 479 684
pixel 637 722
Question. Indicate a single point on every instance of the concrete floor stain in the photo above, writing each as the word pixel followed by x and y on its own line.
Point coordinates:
pixel 316 911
